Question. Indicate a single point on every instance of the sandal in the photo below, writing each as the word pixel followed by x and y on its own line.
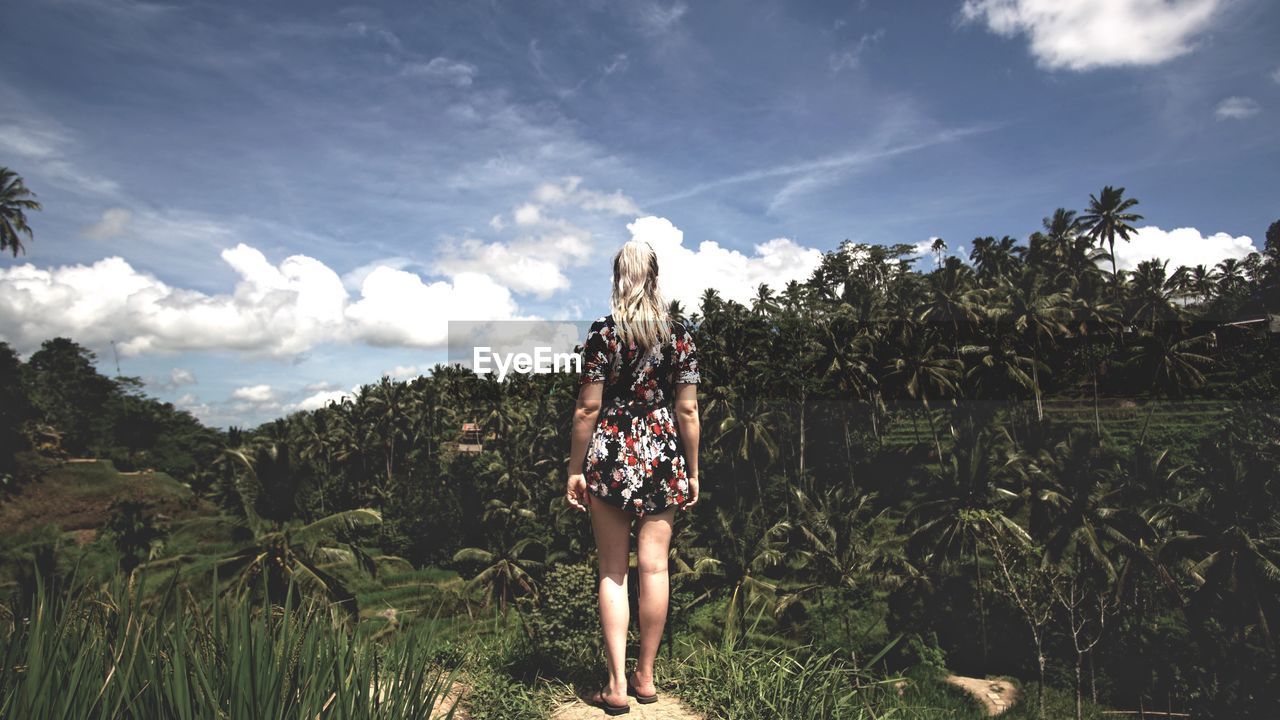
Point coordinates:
pixel 642 699
pixel 597 699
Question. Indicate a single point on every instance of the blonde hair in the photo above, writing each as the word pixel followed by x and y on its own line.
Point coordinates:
pixel 638 309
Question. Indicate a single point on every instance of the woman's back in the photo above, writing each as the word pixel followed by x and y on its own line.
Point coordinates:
pixel 637 382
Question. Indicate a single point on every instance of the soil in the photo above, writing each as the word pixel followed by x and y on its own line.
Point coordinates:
pixel 667 708
pixel 995 695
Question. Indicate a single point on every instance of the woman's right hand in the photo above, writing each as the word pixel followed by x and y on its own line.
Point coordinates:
pixel 693 493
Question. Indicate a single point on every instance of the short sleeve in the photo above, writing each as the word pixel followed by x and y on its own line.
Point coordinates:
pixel 686 356
pixel 595 353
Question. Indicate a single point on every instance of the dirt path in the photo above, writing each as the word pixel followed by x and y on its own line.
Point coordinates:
pixel 995 695
pixel 667 708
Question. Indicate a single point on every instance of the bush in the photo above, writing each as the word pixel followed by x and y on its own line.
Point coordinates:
pixel 561 623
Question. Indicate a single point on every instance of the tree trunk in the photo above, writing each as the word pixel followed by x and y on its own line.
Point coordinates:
pixel 802 438
pixel 1079 685
pixel 936 442
pixel 1143 437
pixel 982 606
pixel 1040 660
pixel 1035 382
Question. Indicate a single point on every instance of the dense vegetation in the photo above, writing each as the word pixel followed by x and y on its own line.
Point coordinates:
pixel 1028 465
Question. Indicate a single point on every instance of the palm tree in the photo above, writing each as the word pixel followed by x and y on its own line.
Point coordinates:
pixel 1154 292
pixel 745 544
pixel 1087 521
pixel 1034 315
pixel 850 544
pixel 962 505
pixel 923 369
pixel 506 569
pixel 1108 217
pixel 939 248
pixel 746 433
pixel 995 258
pixel 1200 282
pixel 284 548
pixel 1228 542
pixel 1168 359
pixel 15 200
pixel 1230 275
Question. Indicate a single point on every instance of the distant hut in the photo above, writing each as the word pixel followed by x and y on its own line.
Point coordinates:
pixel 469 440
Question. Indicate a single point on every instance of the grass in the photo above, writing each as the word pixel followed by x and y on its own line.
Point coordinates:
pixel 124 652
pixel 75 497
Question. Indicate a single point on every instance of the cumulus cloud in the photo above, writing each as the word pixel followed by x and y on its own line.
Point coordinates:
pixel 535 259
pixel 442 69
pixel 278 310
pixel 1180 246
pixel 1088 34
pixel 570 192
pixel 113 223
pixel 686 272
pixel 1236 108
pixel 403 372
pixel 254 394
pixel 318 400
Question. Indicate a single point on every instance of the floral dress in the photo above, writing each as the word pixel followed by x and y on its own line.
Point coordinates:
pixel 635 460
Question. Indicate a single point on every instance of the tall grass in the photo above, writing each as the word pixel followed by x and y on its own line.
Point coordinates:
pixel 119 652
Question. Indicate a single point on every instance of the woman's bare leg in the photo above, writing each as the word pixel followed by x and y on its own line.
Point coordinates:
pixel 612 528
pixel 653 543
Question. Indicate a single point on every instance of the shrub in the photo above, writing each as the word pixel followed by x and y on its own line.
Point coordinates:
pixel 561 623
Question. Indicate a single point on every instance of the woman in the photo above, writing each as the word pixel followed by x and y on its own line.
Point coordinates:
pixel 634 457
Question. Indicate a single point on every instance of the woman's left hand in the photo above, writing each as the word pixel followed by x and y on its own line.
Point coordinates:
pixel 576 491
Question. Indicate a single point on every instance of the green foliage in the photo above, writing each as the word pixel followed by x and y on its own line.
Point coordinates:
pixel 116 653
pixel 134 531
pixel 561 622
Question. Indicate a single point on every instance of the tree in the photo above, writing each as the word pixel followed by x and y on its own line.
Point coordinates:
pixel 15 201
pixel 1108 217
pixel 1167 359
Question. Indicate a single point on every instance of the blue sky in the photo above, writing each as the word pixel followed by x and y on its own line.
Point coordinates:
pixel 267 204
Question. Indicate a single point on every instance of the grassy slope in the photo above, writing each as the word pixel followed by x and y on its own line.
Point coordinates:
pixel 77 496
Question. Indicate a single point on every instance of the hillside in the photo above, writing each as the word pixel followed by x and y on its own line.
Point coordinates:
pixel 76 496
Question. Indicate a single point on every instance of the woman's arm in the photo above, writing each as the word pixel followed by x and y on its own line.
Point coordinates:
pixel 584 423
pixel 690 428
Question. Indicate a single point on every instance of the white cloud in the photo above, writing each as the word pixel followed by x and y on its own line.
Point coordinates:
pixel 534 261
pixel 398 309
pixel 1275 75
pixel 525 267
pixel 1088 34
pixel 571 192
pixel 658 19
pixel 442 69
pixel 318 400
pixel 113 223
pixel 1236 108
pixel 1180 246
pixel 618 64
pixel 403 372
pixel 278 310
pixel 850 59
pixel 528 214
pixel 182 376
pixel 254 394
pixel 684 272
pixel 178 377
pixel 45 146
